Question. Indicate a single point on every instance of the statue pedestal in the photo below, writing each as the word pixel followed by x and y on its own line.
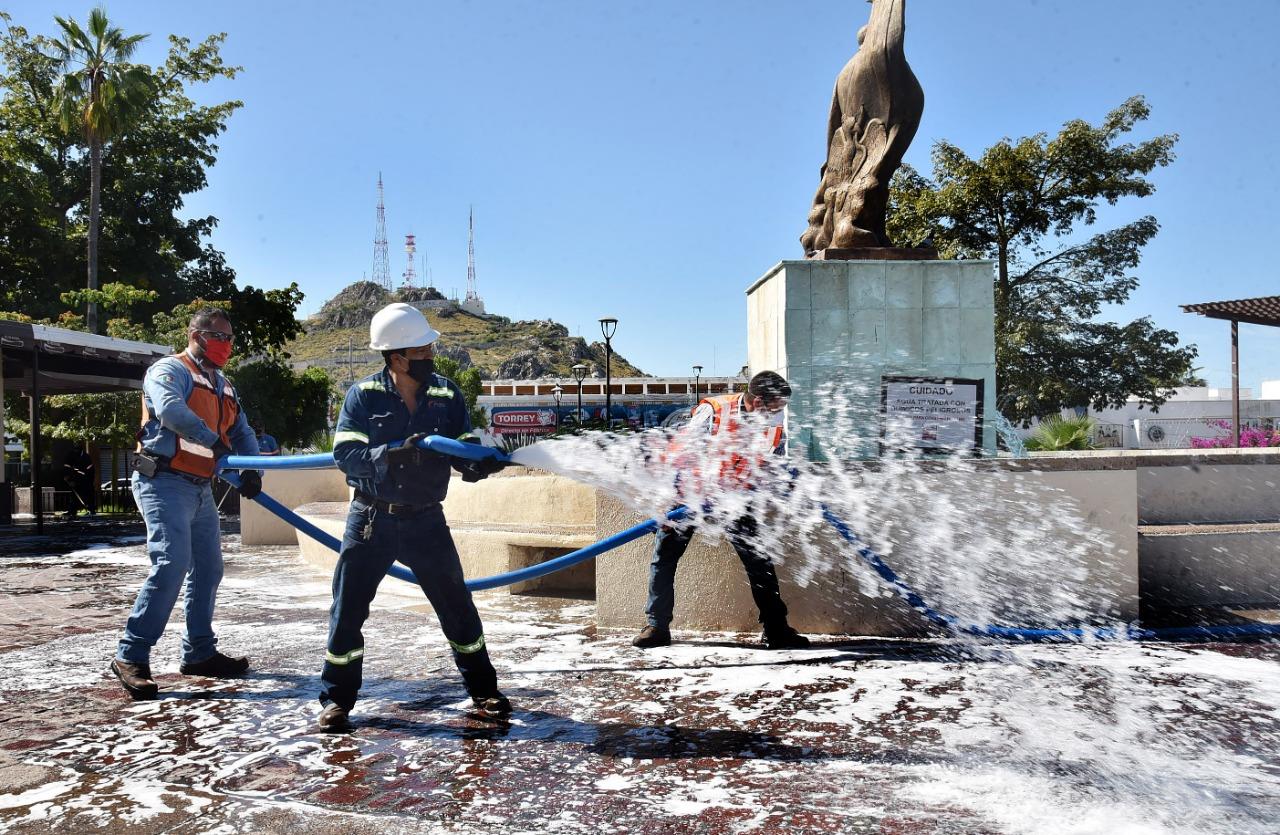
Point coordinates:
pixel 852 323
pixel 877 253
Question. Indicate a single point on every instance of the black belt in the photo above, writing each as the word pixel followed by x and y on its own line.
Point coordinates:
pixel 395 508
pixel 160 464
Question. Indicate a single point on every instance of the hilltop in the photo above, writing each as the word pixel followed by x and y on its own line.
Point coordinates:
pixel 497 347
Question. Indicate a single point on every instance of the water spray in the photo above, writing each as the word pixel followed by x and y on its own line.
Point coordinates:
pixel 528 456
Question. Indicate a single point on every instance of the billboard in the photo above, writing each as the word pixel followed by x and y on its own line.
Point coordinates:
pixel 541 420
pixel 515 421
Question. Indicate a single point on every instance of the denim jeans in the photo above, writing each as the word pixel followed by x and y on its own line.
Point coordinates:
pixel 182 542
pixel 669 547
pixel 372 541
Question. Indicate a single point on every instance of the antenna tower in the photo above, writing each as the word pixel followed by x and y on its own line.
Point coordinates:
pixel 410 249
pixel 471 256
pixel 381 264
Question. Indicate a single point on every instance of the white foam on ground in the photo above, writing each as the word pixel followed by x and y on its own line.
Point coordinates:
pixel 1114 738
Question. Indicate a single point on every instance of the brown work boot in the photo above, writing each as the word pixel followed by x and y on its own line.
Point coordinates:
pixel 335 719
pixel 136 679
pixel 216 666
pixel 652 636
pixel 495 704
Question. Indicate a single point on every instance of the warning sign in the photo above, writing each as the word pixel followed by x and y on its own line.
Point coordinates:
pixel 931 414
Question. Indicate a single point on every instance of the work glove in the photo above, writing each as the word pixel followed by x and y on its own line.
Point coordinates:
pixel 408 453
pixel 220 450
pixel 473 471
pixel 250 483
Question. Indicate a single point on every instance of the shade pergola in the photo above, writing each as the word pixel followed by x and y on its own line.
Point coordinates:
pixel 1264 310
pixel 37 360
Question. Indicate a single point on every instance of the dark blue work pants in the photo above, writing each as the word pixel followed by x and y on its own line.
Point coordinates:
pixel 372 541
pixel 669 547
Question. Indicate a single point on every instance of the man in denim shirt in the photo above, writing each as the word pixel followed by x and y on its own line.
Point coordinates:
pixel 190 418
pixel 396 512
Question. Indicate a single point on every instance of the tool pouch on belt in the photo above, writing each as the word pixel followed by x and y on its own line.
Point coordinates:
pixel 145 464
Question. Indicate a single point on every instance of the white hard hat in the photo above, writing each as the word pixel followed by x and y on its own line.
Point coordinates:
pixel 400 325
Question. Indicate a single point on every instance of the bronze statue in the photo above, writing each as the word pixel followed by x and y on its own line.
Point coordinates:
pixel 875 110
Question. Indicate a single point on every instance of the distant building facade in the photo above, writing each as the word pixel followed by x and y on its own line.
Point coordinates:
pixel 1192 412
pixel 529 406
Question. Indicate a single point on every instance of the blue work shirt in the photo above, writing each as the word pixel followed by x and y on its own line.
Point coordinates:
pixel 166 388
pixel 373 415
pixel 267 445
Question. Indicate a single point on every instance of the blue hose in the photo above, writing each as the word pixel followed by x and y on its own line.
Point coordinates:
pixel 476 452
pixel 324 460
pixel 479 583
pixel 1066 634
pixel 553 565
pixel 325 538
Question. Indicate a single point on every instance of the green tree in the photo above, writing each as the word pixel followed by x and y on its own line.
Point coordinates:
pixel 292 407
pixel 113 297
pixel 146 173
pixel 470 383
pixel 263 320
pixel 101 94
pixel 1023 204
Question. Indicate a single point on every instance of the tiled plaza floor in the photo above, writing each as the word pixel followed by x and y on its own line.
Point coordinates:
pixel 712 735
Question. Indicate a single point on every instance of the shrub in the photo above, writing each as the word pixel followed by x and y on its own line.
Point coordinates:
pixel 1056 434
pixel 1250 436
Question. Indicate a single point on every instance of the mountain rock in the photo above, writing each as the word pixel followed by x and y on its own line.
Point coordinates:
pixel 519 350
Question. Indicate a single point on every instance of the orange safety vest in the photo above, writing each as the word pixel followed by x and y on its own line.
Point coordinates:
pixel 735 468
pixel 725 408
pixel 218 410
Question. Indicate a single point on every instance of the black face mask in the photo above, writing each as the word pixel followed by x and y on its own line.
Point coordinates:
pixel 422 370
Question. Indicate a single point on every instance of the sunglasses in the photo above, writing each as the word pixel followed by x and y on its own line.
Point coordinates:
pixel 216 336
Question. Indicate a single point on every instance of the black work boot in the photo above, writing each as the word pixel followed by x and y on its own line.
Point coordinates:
pixel 335 719
pixel 783 637
pixel 494 704
pixel 652 636
pixel 136 679
pixel 216 666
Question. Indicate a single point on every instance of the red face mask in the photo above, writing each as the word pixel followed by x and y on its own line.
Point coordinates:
pixel 216 351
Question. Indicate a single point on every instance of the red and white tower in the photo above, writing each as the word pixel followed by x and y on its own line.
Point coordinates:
pixel 410 251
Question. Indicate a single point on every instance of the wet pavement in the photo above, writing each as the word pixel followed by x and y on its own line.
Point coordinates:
pixel 712 735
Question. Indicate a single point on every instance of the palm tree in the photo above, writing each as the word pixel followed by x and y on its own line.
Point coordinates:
pixel 100 94
pixel 1056 433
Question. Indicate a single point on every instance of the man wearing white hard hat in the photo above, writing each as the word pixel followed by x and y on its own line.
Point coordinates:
pixel 396 512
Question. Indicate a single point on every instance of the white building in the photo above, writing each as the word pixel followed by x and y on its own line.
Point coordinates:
pixel 1192 412
pixel 529 406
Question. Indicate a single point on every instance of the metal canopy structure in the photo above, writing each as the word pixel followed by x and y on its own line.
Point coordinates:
pixel 1264 310
pixel 37 360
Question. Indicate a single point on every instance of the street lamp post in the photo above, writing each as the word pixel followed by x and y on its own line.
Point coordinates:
pixel 608 326
pixel 579 374
pixel 697 375
pixel 557 393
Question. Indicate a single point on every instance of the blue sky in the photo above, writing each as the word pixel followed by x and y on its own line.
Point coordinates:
pixel 649 160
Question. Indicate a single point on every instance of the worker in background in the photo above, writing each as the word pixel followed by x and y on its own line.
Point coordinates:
pixel 727 418
pixel 191 417
pixel 77 472
pixel 396 513
pixel 267 445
